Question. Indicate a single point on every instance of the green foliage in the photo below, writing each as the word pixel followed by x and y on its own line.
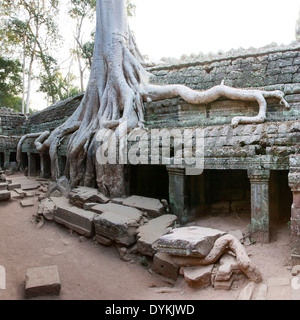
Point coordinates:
pixel 144 261
pixel 10 79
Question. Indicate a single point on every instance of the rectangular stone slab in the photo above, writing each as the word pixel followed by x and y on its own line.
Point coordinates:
pixel 72 217
pixel 42 281
pixel 152 206
pixel 3 185
pixel 189 241
pixel 4 195
pixel 120 226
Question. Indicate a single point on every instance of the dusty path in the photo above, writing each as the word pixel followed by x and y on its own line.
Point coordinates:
pixel 89 271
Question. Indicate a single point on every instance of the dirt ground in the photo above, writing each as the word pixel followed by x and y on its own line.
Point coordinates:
pixel 90 271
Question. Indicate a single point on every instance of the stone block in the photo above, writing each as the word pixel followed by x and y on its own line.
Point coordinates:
pixel 118 223
pixel 223 285
pixel 26 203
pixel 81 195
pixel 13 186
pixel 72 217
pixel 5 195
pixel 21 192
pixel 149 233
pixel 149 205
pixel 228 266
pixel 189 241
pixel 103 240
pixel 197 277
pixel 42 281
pixel 3 185
pixel 164 265
pixel 47 208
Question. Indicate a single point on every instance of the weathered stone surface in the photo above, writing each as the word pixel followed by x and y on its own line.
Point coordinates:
pixel 21 192
pixel 152 206
pixel 89 205
pixel 81 195
pixel 30 185
pixel 189 241
pixel 247 292
pixel 149 233
pixel 47 208
pixel 164 265
pixel 117 222
pixel 197 277
pixel 72 217
pixel 223 285
pixel 4 195
pixel 42 281
pixel 13 186
pixel 26 203
pixel 228 265
pixel 3 186
pixel 103 240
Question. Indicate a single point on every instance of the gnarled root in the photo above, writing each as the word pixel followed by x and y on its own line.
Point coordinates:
pixel 155 92
pixel 230 242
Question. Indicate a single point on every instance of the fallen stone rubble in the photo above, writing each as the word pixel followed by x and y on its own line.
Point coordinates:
pixel 137 226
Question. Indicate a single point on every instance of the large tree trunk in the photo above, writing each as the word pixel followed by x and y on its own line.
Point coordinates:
pixel 116 90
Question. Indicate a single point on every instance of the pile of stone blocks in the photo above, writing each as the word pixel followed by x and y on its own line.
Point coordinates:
pixel 124 221
pixel 181 251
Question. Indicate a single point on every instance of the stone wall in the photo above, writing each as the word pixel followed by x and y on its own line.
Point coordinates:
pixel 53 116
pixel 269 69
pixel 11 122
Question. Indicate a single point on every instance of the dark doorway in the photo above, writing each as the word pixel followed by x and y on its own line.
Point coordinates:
pixel 149 181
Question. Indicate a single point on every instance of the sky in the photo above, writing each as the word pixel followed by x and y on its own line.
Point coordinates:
pixel 171 28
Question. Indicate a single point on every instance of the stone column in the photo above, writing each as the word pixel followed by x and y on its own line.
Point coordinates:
pixel 259 180
pixel 294 183
pixel 177 192
pixel 6 159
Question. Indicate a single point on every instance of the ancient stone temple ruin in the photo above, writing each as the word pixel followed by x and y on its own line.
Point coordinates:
pixel 253 168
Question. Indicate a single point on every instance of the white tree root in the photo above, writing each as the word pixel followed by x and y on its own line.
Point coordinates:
pixel 155 92
pixel 230 242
